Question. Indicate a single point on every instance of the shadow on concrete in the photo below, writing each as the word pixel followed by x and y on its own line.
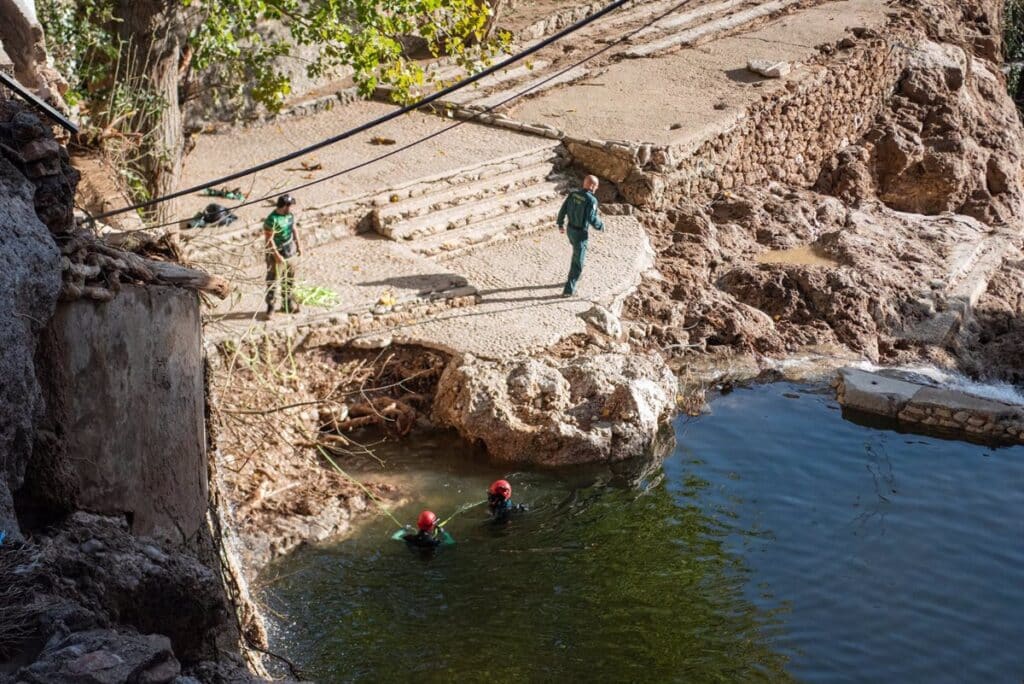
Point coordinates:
pixel 421 283
pixel 485 295
pixel 744 76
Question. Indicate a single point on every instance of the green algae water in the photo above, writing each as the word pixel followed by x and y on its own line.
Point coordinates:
pixel 776 542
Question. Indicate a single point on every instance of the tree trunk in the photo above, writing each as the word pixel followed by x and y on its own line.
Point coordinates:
pixel 155 34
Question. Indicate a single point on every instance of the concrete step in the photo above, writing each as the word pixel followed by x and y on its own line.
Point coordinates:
pixel 473 92
pixel 473 212
pixel 537 85
pixel 448 196
pixel 685 19
pixel 709 30
pixel 429 185
pixel 507 226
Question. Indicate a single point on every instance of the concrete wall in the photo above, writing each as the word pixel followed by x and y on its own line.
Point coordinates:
pixel 125 385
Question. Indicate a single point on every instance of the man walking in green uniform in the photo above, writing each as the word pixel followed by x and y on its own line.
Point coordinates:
pixel 282 246
pixel 580 208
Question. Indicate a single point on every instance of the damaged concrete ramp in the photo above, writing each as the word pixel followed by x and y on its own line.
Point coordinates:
pixel 919 407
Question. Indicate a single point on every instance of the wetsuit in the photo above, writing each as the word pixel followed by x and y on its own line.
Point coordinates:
pixel 424 540
pixel 502 510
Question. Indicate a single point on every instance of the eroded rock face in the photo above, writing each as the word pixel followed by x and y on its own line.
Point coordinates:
pixel 552 412
pixel 133 581
pixel 946 142
pixel 29 285
pixel 104 656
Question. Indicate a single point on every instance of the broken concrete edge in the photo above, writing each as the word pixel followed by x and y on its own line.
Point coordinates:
pixel 956 309
pixel 948 411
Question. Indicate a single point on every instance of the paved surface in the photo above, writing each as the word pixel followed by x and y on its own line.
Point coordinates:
pixel 222 153
pixel 671 99
pixel 667 99
pixel 519 283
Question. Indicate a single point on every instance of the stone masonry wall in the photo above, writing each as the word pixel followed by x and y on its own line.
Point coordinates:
pixel 931 410
pixel 786 136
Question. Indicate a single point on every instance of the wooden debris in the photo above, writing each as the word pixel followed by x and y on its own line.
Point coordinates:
pixel 93 269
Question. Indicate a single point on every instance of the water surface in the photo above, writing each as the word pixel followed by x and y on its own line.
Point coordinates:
pixel 777 542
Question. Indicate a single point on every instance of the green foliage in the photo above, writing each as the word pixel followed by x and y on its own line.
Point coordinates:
pixel 315 295
pixel 79 40
pixel 1013 31
pixel 372 37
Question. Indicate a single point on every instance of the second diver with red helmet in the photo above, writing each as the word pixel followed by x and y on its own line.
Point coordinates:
pixel 499 502
pixel 428 535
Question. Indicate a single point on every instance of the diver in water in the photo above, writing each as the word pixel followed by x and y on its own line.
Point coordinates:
pixel 499 502
pixel 428 536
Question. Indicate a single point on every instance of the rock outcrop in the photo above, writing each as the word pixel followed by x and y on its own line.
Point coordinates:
pixel 907 225
pixel 22 39
pixel 946 142
pixel 30 281
pixel 602 408
pixel 111 607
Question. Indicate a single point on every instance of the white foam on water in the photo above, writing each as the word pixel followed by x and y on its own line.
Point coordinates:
pixel 930 375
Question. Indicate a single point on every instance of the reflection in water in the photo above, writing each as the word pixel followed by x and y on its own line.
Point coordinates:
pixel 597 582
pixel 777 540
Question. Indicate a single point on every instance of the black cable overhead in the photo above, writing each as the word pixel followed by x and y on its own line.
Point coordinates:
pixel 611 7
pixel 440 132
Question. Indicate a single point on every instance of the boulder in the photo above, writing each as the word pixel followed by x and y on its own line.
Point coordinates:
pixel 104 656
pixel 603 320
pixel 769 68
pixel 555 412
pixel 133 581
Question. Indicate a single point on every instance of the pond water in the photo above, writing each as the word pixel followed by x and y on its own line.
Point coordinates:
pixel 777 541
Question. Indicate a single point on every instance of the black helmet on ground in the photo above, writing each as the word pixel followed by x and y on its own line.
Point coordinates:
pixel 214 213
pixel 285 201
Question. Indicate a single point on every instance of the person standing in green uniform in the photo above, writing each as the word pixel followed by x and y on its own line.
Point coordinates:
pixel 580 208
pixel 282 246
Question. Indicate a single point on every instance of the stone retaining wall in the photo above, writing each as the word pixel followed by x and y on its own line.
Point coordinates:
pixel 787 136
pixel 930 409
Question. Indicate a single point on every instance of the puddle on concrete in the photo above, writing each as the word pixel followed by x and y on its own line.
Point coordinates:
pixel 805 255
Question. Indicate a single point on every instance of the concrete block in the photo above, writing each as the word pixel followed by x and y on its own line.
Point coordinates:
pixel 876 394
pixel 129 384
pixel 770 69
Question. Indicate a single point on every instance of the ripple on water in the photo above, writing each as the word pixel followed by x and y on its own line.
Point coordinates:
pixel 781 541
